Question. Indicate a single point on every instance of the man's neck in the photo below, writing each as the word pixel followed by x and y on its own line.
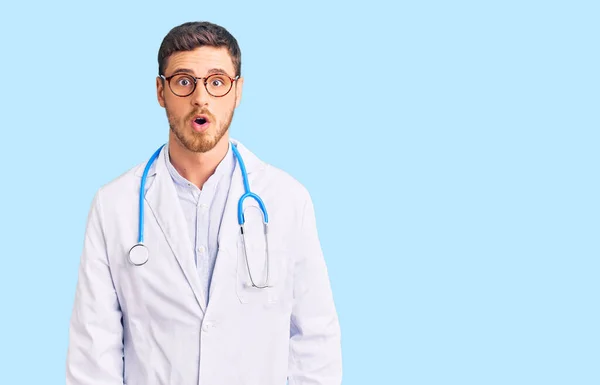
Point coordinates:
pixel 197 167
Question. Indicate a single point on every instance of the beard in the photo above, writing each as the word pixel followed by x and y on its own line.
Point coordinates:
pixel 199 141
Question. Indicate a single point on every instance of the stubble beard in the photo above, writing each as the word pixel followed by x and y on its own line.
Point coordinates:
pixel 198 141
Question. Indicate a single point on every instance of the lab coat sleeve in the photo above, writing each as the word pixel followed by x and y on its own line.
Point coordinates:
pixel 95 351
pixel 315 342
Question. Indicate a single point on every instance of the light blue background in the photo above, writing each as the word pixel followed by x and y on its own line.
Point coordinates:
pixel 452 160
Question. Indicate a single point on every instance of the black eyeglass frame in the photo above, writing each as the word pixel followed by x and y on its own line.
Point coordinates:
pixel 205 82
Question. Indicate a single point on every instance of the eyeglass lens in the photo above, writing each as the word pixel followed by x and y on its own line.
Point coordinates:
pixel 216 85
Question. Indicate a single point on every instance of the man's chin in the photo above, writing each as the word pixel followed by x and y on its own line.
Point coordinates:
pixel 199 142
pixel 200 146
pixel 202 142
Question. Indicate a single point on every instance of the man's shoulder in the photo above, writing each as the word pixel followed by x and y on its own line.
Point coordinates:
pixel 285 184
pixel 122 185
pixel 273 178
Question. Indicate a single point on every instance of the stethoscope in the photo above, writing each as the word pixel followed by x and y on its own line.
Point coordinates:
pixel 139 254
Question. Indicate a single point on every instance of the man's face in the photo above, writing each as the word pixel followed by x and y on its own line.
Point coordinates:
pixel 185 113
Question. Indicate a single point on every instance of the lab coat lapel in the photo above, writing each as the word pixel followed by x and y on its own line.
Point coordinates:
pixel 164 203
pixel 230 229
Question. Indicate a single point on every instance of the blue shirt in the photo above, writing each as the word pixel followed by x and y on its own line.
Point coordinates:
pixel 203 210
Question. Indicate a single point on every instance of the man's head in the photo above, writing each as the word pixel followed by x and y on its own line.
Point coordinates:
pixel 199 111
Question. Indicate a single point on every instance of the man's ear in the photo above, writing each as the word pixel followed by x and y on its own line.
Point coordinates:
pixel 238 91
pixel 160 95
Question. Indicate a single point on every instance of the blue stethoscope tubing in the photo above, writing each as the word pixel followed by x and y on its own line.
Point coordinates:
pixel 139 255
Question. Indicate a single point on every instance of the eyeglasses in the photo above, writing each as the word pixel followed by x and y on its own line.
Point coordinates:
pixel 183 85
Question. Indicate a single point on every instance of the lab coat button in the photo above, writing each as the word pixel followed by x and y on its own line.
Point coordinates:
pixel 207 326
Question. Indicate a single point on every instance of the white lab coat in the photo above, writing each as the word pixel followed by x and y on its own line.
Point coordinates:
pixel 149 325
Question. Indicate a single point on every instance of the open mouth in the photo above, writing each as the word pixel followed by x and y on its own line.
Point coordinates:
pixel 200 122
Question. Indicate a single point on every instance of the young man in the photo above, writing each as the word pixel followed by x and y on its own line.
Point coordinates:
pixel 184 285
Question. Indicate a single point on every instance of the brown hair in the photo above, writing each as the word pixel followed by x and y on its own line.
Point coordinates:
pixel 191 35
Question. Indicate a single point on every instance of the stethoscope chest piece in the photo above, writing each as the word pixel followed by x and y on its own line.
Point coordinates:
pixel 138 254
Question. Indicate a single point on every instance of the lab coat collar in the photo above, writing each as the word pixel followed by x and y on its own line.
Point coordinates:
pixel 252 162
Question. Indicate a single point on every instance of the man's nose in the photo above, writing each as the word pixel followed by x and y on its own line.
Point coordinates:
pixel 200 97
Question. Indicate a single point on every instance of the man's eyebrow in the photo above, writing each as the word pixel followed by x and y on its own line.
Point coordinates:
pixel 217 71
pixel 183 70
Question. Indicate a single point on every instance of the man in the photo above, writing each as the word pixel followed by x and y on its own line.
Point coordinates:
pixel 200 302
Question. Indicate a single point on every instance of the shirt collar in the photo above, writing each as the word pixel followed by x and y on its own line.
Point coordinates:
pixel 220 171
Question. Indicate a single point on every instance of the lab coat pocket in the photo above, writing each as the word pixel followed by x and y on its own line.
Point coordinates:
pixel 256 267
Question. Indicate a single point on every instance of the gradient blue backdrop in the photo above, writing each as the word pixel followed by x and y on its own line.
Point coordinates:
pixel 451 149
